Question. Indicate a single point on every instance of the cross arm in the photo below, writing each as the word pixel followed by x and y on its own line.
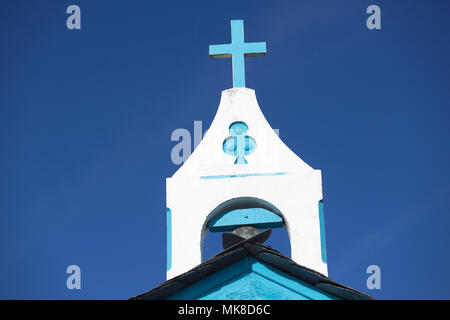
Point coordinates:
pixel 220 51
pixel 254 49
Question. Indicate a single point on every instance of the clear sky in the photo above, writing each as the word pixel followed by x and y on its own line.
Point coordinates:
pixel 86 118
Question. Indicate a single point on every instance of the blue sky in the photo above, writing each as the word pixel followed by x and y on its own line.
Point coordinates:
pixel 86 118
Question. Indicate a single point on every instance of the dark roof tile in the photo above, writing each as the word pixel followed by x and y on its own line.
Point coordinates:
pixel 262 253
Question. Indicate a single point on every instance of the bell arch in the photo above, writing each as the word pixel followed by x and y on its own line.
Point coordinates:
pixel 235 204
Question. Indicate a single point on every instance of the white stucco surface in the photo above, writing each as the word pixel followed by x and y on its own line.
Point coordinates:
pixel 273 174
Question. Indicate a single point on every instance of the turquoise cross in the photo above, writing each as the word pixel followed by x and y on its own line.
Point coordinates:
pixel 239 144
pixel 237 50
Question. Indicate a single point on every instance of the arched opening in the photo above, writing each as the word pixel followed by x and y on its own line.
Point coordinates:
pixel 212 241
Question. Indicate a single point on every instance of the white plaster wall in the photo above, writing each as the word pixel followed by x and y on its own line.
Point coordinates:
pixel 271 154
pixel 295 194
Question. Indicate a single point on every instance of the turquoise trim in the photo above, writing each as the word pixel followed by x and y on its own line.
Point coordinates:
pixel 243 175
pixel 237 50
pixel 257 217
pixel 323 245
pixel 169 239
pixel 250 279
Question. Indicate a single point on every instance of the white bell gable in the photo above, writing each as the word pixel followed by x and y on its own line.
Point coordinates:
pixel 253 168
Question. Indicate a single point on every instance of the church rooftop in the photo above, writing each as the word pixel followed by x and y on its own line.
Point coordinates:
pixel 183 286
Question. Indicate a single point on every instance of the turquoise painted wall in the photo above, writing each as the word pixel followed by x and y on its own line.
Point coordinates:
pixel 250 279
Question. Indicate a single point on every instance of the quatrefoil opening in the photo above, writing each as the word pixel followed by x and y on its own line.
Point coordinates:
pixel 239 144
